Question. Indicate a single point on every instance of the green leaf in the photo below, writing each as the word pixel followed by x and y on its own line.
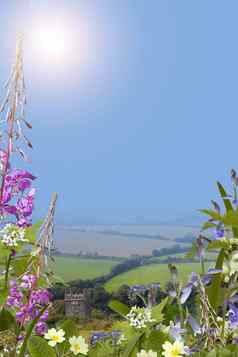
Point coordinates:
pixel 119 307
pixel 227 204
pixel 218 244
pixel 224 195
pixel 102 349
pixel 214 290
pixel 7 320
pixel 132 344
pixel 155 340
pixel 70 328
pixel 39 347
pixel 20 265
pixel 3 296
pixel 208 225
pixel 157 310
pixel 213 214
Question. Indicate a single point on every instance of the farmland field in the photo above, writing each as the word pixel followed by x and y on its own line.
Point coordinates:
pixel 70 268
pixel 118 240
pixel 151 274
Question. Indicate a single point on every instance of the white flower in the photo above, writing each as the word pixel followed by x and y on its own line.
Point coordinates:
pixel 11 235
pixel 139 317
pixel 78 345
pixel 230 267
pixel 175 349
pixel 54 336
pixel 144 353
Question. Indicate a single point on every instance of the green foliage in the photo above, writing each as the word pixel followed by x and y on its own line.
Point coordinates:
pixel 157 310
pixel 133 344
pixel 20 265
pixel 228 351
pixel 119 307
pixel 154 341
pixel 7 320
pixel 38 347
pixel 214 290
pixel 102 349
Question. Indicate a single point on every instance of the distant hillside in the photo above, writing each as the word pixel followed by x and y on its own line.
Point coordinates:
pixel 121 240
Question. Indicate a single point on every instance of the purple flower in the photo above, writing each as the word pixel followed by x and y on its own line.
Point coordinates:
pixel 219 233
pixel 28 280
pixel 195 325
pixel 24 208
pixel 193 282
pixel 214 271
pixel 18 182
pixel 176 331
pixel 41 297
pixel 45 316
pixel 233 316
pixel 21 314
pixel 186 292
pixel 15 295
pixel 41 328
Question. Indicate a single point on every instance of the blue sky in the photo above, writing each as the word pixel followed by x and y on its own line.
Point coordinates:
pixel 140 116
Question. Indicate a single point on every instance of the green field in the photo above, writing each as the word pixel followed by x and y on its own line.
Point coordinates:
pixel 151 274
pixel 70 268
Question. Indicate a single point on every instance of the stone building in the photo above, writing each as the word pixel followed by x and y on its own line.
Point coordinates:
pixel 76 303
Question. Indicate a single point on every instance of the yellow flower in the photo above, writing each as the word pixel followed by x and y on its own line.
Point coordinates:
pixel 173 350
pixel 78 345
pixel 54 336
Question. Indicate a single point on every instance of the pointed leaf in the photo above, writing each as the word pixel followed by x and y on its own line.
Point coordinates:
pixel 132 344
pixel 157 310
pixel 119 307
pixel 226 201
pixel 213 214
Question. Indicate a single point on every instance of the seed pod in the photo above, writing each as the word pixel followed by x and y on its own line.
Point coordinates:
pixel 233 174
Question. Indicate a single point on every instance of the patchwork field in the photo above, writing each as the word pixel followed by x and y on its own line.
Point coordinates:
pixel 151 274
pixel 70 268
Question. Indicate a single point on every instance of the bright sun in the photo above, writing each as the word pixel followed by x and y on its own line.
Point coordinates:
pixel 50 42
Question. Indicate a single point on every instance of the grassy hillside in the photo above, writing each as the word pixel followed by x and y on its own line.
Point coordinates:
pixel 150 274
pixel 70 268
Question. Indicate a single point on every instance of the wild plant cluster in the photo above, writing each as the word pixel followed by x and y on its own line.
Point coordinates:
pixel 169 329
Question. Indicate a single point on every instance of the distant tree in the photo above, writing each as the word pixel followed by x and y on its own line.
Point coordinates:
pixel 99 298
pixel 122 294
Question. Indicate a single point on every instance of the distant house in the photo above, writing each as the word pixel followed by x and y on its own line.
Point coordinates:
pixel 76 303
pixel 151 289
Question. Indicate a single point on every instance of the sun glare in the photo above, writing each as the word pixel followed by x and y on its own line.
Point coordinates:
pixel 50 43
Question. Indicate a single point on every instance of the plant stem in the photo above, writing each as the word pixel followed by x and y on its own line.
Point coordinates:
pixel 202 265
pixel 8 262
